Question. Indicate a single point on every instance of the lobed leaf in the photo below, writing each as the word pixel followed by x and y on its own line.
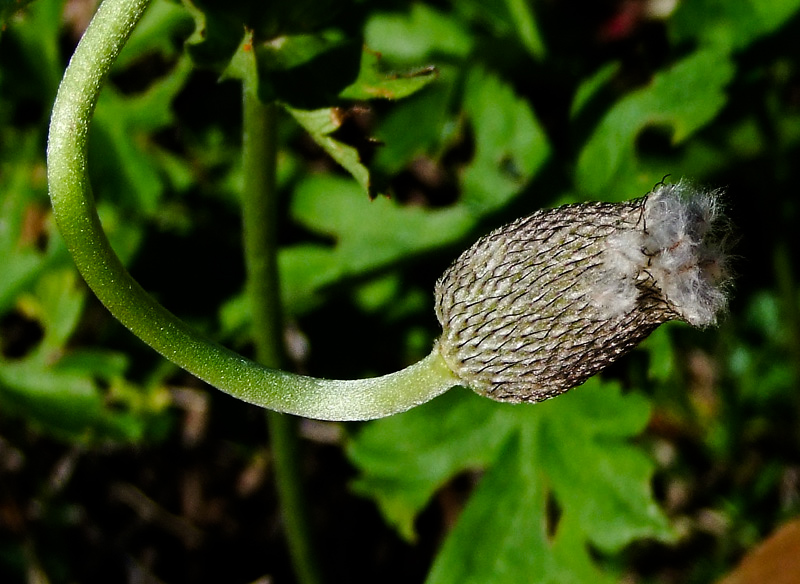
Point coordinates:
pixel 219 27
pixel 406 458
pixel 372 234
pixel 501 535
pixel 595 475
pixel 58 391
pixel 574 449
pixel 684 98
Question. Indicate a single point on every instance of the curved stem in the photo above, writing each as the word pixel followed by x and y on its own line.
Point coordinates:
pixel 76 215
pixel 260 226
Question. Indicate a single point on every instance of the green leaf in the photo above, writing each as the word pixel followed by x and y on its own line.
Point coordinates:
pixel 373 234
pixel 310 71
pixel 510 145
pixel 581 450
pixel 49 387
pixel 55 390
pixel 103 364
pixel 662 354
pixel 590 87
pixel 522 16
pixel 729 25
pixel 428 114
pixel 301 61
pixel 406 458
pixel 369 235
pixel 57 302
pixel 421 33
pixel 218 31
pixel 125 235
pixel 66 402
pixel 320 124
pixel 685 98
pixel 61 403
pixel 219 26
pixel 501 535
pixel 21 260
pixel 122 155
pixel 573 449
pixel 506 20
pixel 372 83
pixel 305 270
pixel 37 33
pixel 573 562
pixel 307 71
pixel 161 24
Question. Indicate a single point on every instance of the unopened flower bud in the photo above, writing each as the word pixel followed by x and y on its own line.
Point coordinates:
pixel 541 304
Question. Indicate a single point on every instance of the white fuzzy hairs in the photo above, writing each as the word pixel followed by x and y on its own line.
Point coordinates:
pixel 677 248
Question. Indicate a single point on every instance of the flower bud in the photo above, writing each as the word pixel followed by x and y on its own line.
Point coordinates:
pixel 538 306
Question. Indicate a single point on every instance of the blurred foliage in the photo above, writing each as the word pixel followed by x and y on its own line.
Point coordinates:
pixel 667 468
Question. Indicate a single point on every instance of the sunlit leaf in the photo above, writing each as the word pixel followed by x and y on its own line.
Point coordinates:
pixel 510 145
pixel 683 98
pixel 581 448
pixel 501 535
pixel 407 458
pixel 371 234
pixel 65 404
pixel 418 35
pixel 57 302
pixel 59 392
pixel 574 448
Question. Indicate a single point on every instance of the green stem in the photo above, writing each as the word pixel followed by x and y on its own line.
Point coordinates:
pixel 76 214
pixel 288 481
pixel 260 222
pixel 260 226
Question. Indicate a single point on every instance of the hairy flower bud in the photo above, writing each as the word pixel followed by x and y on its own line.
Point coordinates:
pixel 541 304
